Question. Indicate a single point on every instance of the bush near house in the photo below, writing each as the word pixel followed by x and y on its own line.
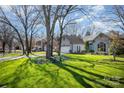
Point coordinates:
pixel 87 46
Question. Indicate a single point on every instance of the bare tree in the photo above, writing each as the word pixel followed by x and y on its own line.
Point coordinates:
pixel 11 40
pixel 6 36
pixel 50 14
pixel 63 22
pixel 26 17
pixel 6 20
pixel 115 44
pixel 118 11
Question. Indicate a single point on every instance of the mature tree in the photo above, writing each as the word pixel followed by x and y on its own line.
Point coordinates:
pixel 50 16
pixel 118 19
pixel 64 22
pixel 28 18
pixel 68 22
pixel 4 19
pixel 118 11
pixel 25 22
pixel 6 36
pixel 116 44
pixel 11 40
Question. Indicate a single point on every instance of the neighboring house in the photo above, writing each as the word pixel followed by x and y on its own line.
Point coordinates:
pixel 41 45
pixel 72 44
pixel 122 39
pixel 99 43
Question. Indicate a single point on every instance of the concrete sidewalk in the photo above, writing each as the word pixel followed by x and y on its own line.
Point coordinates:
pixel 18 57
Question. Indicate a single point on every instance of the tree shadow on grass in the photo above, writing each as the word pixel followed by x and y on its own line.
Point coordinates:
pixel 111 60
pixel 3 85
pixel 54 74
pixel 80 78
pixel 83 59
pixel 21 74
pixel 94 74
pixel 16 76
pixel 97 75
pixel 101 62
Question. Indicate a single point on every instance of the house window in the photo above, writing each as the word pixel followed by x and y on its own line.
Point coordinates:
pixel 102 47
pixel 90 43
pixel 78 48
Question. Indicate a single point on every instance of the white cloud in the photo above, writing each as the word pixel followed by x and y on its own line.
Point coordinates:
pixel 102 26
pixel 6 7
pixel 82 18
pixel 79 20
pixel 98 24
pixel 76 14
pixel 93 11
pixel 98 8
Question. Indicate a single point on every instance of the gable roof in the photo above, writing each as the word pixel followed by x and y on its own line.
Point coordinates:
pixel 94 36
pixel 122 36
pixel 73 39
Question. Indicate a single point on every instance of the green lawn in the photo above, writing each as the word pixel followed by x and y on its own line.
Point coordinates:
pixel 39 52
pixel 19 54
pixel 74 71
pixel 10 55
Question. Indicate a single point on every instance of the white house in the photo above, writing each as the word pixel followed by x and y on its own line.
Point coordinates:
pixel 99 42
pixel 72 44
pixel 40 45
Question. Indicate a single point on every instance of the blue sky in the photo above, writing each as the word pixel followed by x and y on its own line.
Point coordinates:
pixel 96 17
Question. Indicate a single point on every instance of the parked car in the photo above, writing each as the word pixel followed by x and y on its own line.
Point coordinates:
pixel 35 49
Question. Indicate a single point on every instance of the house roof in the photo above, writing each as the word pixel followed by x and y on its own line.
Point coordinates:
pixel 122 36
pixel 39 42
pixel 74 39
pixel 91 37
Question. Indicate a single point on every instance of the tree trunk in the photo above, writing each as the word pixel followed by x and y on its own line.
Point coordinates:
pixel 23 50
pixel 10 48
pixel 114 56
pixel 3 47
pixel 60 40
pixel 20 39
pixel 26 42
pixel 30 47
pixel 48 50
pixel 52 37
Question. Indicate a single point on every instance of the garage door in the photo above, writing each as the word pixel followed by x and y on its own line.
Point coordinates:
pixel 65 49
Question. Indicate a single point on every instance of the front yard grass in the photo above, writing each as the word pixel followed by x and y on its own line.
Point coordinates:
pixel 10 55
pixel 75 71
pixel 19 54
